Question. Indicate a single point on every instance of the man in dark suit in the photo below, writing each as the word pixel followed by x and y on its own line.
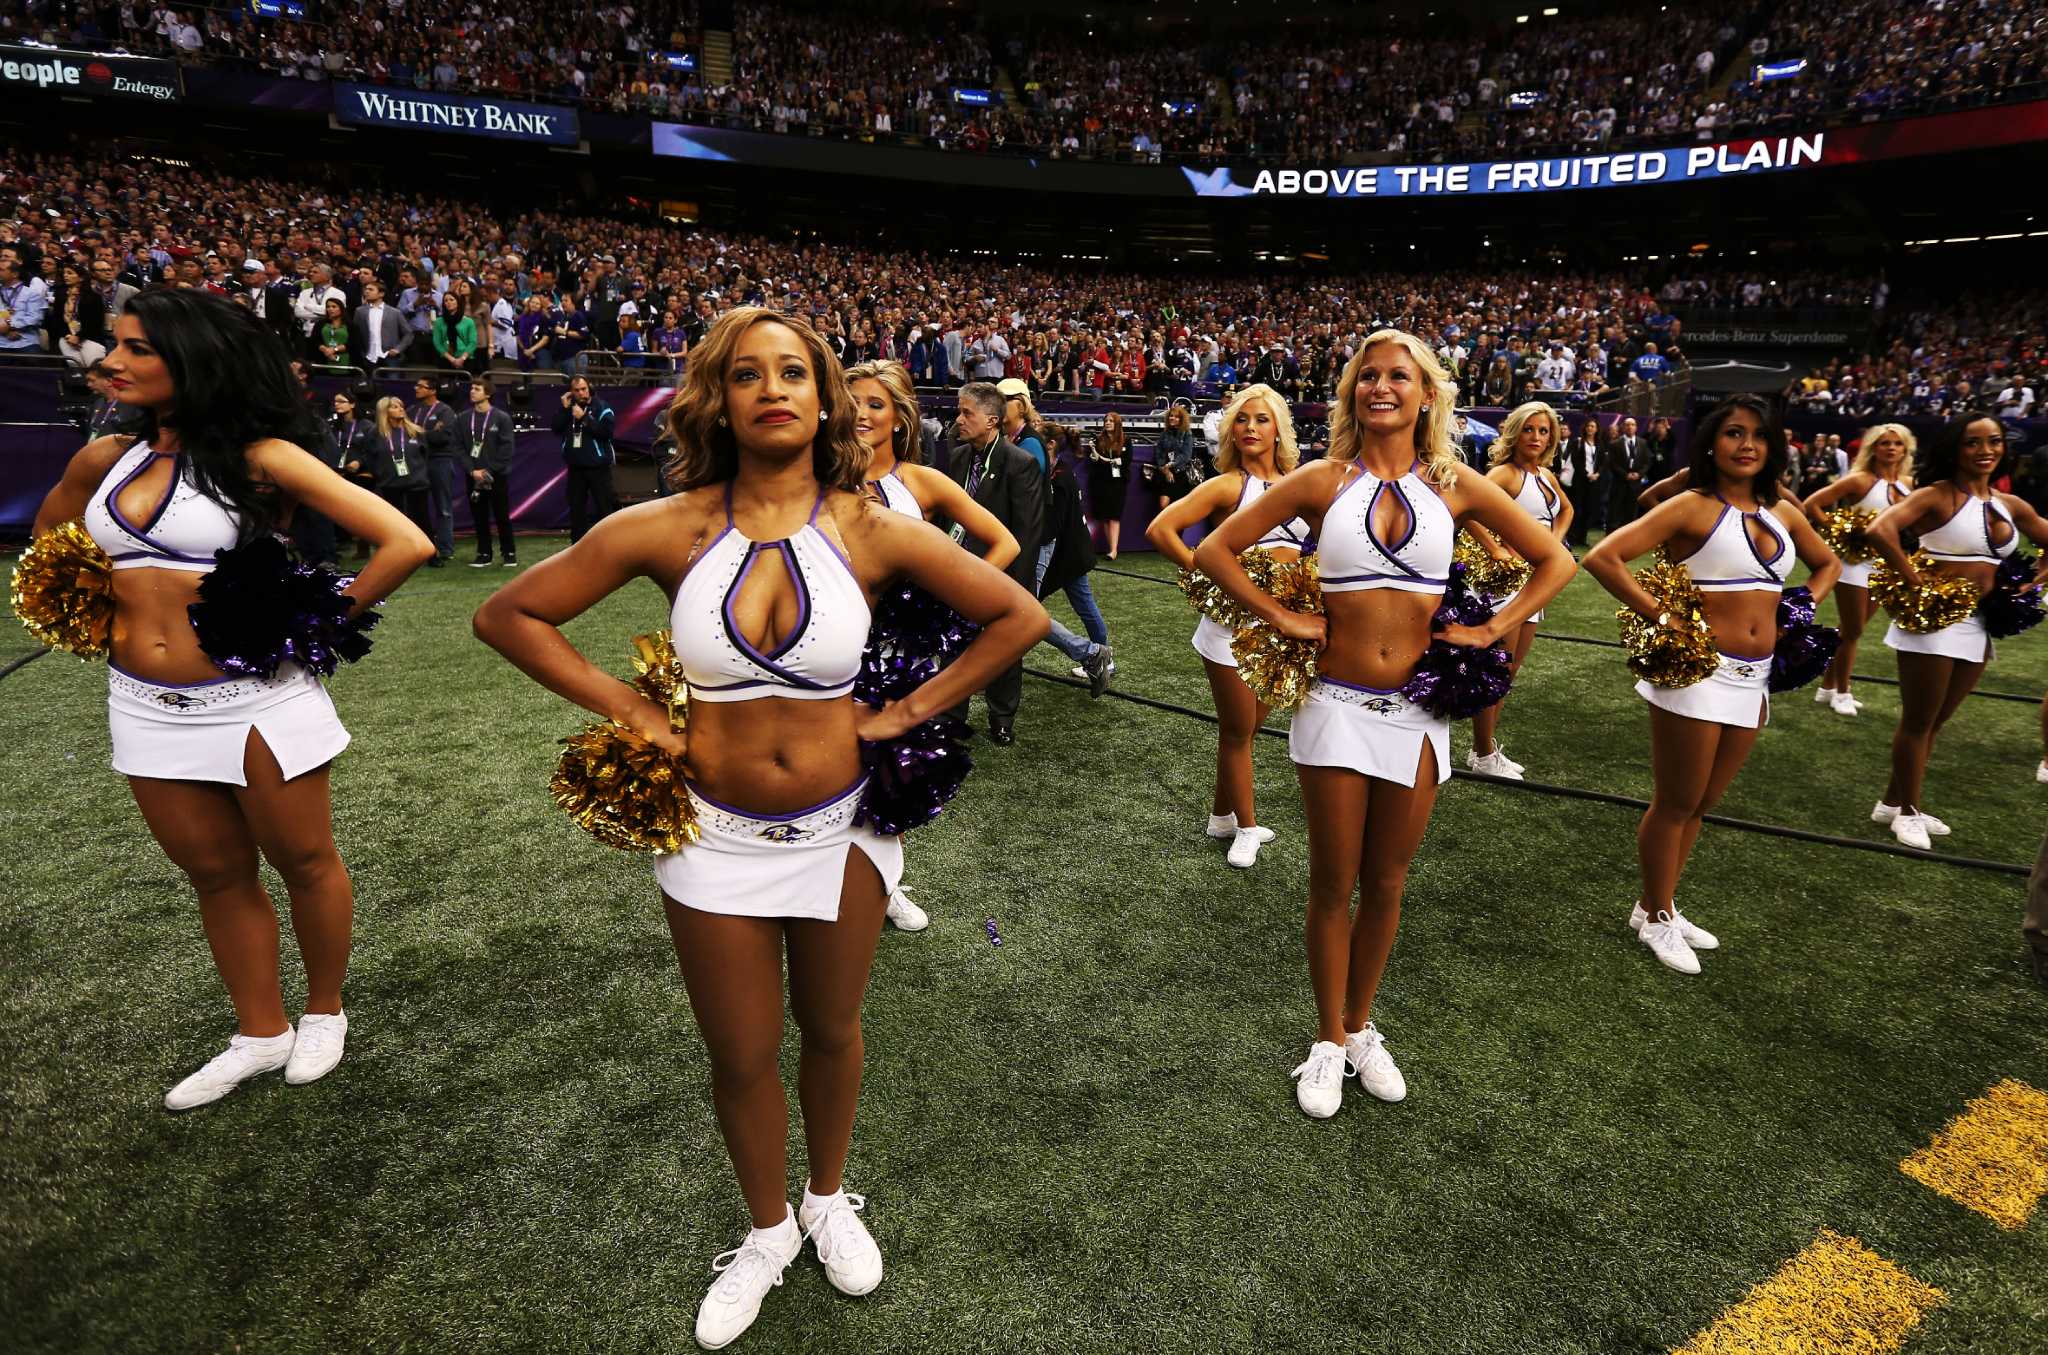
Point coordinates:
pixel 487 439
pixel 1625 466
pixel 379 334
pixel 444 465
pixel 1005 479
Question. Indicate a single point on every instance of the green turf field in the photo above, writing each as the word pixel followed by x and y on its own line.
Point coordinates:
pixel 1083 1140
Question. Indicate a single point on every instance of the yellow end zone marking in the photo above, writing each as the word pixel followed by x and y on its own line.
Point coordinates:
pixel 1837 1297
pixel 1992 1158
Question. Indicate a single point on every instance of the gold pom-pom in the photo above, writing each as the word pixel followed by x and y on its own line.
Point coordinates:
pixel 1485 574
pixel 1276 668
pixel 1843 529
pixel 1940 600
pixel 1678 651
pixel 618 787
pixel 64 591
pixel 1208 597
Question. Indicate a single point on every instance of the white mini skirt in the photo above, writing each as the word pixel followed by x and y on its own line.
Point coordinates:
pixel 1856 576
pixel 775 865
pixel 199 731
pixel 1501 602
pixel 1368 731
pixel 1966 640
pixel 1736 693
pixel 1212 642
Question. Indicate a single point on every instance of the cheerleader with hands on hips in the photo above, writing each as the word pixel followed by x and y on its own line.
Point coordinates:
pixel 1385 507
pixel 1519 462
pixel 1737 533
pixel 1256 433
pixel 886 418
pixel 1968 528
pixel 771 557
pixel 226 769
pixel 1882 475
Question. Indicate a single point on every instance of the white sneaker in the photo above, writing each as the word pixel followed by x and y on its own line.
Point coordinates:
pixel 904 913
pixel 1699 938
pixel 852 1261
pixel 1319 1082
pixel 1245 844
pixel 1910 832
pixel 1367 1054
pixel 1223 825
pixel 1493 764
pixel 245 1057
pixel 1662 935
pixel 745 1275
pixel 1884 813
pixel 2041 772
pixel 1825 695
pixel 1930 823
pixel 1080 671
pixel 1845 704
pixel 318 1048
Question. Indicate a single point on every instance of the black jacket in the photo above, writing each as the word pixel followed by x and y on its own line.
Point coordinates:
pixel 487 441
pixel 401 446
pixel 1012 488
pixel 586 441
pixel 1073 553
pixel 351 440
pixel 439 421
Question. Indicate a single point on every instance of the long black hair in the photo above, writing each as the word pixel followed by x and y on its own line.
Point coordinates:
pixel 232 386
pixel 1769 483
pixel 1945 448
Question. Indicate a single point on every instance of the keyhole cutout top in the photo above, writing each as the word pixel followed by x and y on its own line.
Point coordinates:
pixel 768 601
pixel 1767 544
pixel 142 499
pixel 1391 519
pixel 1998 528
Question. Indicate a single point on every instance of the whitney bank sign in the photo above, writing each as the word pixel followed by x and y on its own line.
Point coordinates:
pixel 428 111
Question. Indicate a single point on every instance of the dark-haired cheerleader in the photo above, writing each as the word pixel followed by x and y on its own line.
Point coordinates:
pixel 1967 527
pixel 1737 533
pixel 226 768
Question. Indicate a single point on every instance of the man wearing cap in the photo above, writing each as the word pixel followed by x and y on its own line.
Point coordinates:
pixel 1554 372
pixel 267 304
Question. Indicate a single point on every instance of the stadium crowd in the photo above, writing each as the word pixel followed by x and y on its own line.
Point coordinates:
pixel 541 289
pixel 1311 91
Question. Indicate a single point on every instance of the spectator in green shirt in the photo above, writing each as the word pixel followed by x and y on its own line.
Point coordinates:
pixel 454 332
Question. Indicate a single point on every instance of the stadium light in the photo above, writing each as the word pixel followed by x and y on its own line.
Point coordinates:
pixel 1550 13
pixel 1521 18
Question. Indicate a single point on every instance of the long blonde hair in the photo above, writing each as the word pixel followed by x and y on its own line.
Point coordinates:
pixel 1866 450
pixel 384 408
pixel 894 378
pixel 706 451
pixel 1432 426
pixel 1503 449
pixel 1286 452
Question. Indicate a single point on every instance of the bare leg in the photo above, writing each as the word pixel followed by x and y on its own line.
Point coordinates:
pixel 1335 800
pixel 1399 815
pixel 1114 528
pixel 1682 753
pixel 1852 609
pixel 1238 717
pixel 828 975
pixel 1924 683
pixel 1487 721
pixel 1961 683
pixel 732 967
pixel 202 830
pixel 293 823
pixel 1729 755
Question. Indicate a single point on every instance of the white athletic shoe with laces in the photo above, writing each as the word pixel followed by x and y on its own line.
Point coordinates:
pixel 1493 764
pixel 1662 935
pixel 1366 1052
pixel 1911 832
pixel 1845 704
pixel 245 1057
pixel 1222 825
pixel 1930 823
pixel 318 1048
pixel 905 913
pixel 1825 695
pixel 1245 844
pixel 1319 1081
pixel 1699 938
pixel 852 1261
pixel 745 1275
pixel 2041 772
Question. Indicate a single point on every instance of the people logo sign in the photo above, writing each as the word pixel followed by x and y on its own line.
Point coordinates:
pixel 90 73
pixel 427 111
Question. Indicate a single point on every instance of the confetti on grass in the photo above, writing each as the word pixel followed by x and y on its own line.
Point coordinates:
pixel 1837 1297
pixel 1992 1158
pixel 995 938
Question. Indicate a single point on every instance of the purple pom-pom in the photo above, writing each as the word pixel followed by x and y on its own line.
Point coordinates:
pixel 2014 602
pixel 1461 605
pixel 1459 681
pixel 1803 653
pixel 1795 607
pixel 912 776
pixel 261 607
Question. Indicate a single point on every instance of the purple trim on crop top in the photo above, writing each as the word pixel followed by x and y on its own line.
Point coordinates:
pixel 1358 686
pixel 159 551
pixel 778 818
pixel 783 676
pixel 1769 575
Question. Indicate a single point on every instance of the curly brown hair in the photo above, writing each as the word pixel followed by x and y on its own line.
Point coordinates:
pixel 706 451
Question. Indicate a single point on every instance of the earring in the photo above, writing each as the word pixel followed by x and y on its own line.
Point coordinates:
pixel 823 415
pixel 721 421
pixel 1425 409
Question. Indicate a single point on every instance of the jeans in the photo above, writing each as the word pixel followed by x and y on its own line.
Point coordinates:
pixel 1081 598
pixel 444 483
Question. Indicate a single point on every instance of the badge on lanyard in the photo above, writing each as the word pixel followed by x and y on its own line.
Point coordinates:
pixel 398 462
pixel 576 441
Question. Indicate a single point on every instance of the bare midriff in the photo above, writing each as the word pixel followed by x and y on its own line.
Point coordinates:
pixel 152 635
pixel 1377 636
pixel 773 755
pixel 1745 623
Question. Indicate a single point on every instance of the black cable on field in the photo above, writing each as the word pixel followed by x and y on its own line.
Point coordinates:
pixel 1616 644
pixel 1600 796
pixel 24 661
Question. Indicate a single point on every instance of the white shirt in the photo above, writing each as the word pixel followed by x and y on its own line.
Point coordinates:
pixel 373 321
pixel 2016 401
pixel 504 335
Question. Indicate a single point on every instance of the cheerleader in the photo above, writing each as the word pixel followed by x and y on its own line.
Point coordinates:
pixel 1255 436
pixel 1738 533
pixel 1881 476
pixel 1519 462
pixel 886 418
pixel 225 769
pixel 1967 527
pixel 770 556
pixel 1385 506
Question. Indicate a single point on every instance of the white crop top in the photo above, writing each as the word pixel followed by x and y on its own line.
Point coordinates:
pixel 184 531
pixel 1728 561
pixel 1968 536
pixel 1537 498
pixel 896 495
pixel 1881 495
pixel 1289 535
pixel 1354 559
pixel 820 656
